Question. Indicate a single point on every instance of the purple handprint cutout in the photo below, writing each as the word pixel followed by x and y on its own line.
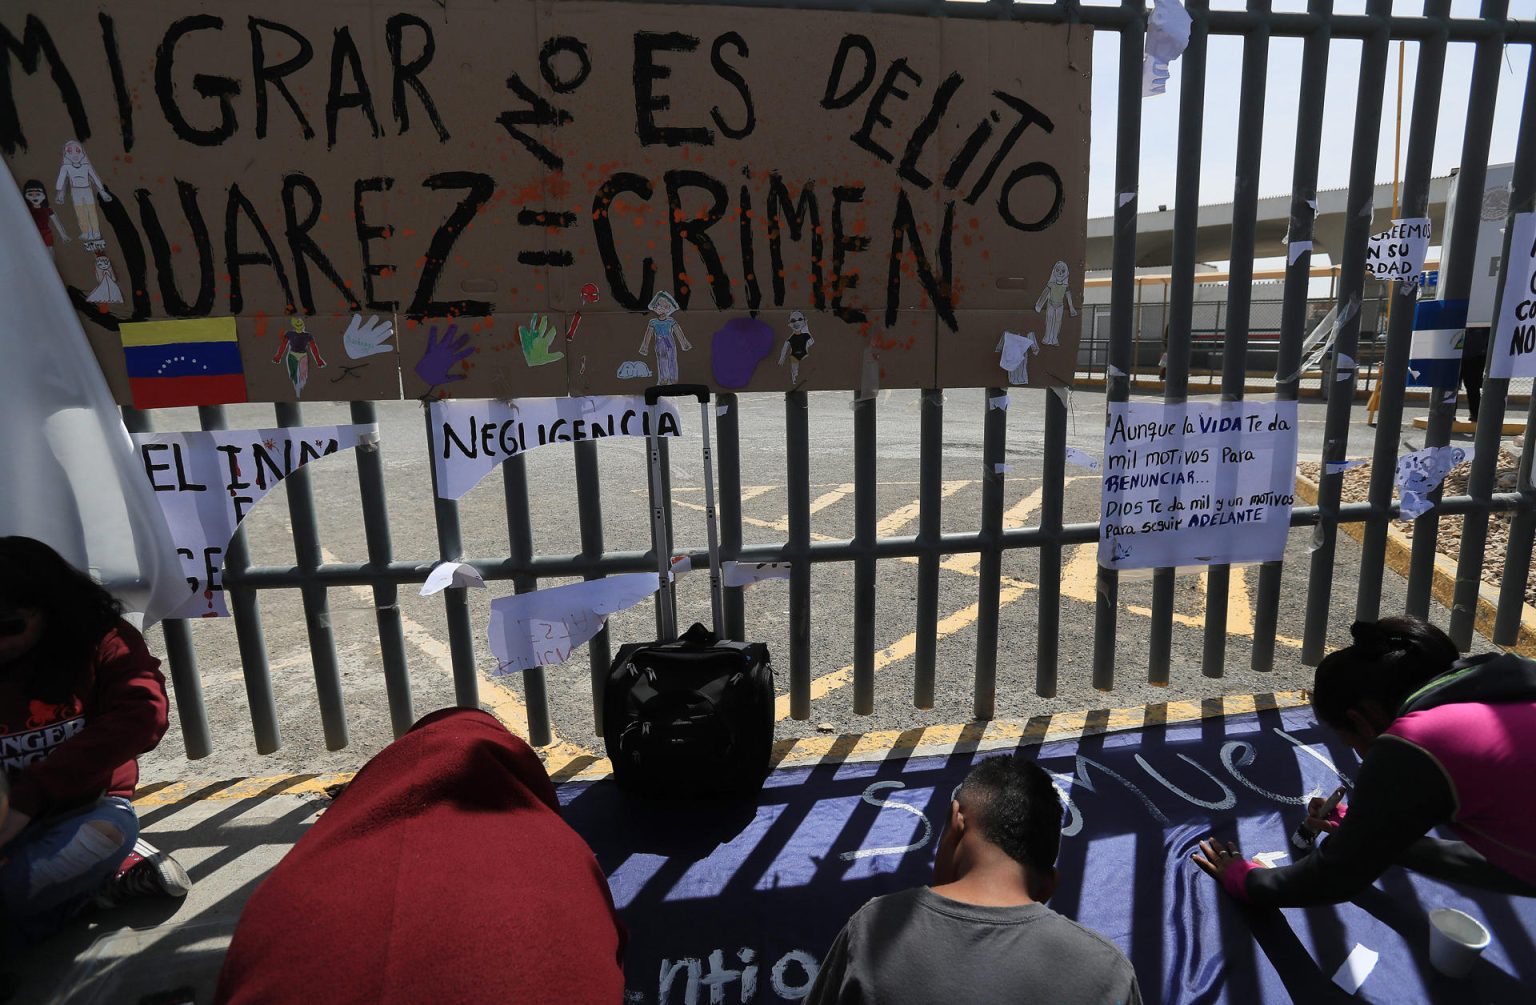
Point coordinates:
pixel 442 355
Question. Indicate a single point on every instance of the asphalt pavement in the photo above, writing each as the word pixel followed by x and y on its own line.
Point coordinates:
pixel 626 527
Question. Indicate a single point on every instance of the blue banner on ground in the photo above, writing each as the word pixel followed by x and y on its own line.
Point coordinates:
pixel 1439 335
pixel 736 907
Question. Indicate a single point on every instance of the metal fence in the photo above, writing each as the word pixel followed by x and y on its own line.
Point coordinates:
pixel 1318 27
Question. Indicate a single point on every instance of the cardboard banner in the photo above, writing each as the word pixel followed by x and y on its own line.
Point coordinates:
pixel 206 482
pixel 611 195
pixel 1514 339
pixel 469 438
pixel 1197 484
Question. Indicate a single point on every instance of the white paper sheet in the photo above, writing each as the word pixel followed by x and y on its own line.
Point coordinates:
pixel 1197 484
pixel 751 573
pixel 1167 36
pixel 1357 966
pixel 207 481
pixel 1298 248
pixel 542 628
pixel 448 574
pixel 1421 472
pixel 1339 467
pixel 1398 252
pixel 470 438
pixel 1082 459
pixel 1000 401
pixel 1514 339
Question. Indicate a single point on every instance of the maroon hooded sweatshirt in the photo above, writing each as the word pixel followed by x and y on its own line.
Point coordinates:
pixel 443 873
pixel 61 756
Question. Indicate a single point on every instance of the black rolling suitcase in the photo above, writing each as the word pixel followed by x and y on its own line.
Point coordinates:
pixel 692 716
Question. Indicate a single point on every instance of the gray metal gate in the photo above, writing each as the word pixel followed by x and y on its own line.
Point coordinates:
pixel 1256 26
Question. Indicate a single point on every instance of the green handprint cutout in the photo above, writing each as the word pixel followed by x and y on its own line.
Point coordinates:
pixel 537 336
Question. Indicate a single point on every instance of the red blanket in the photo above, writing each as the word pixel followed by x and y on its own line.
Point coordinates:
pixel 443 873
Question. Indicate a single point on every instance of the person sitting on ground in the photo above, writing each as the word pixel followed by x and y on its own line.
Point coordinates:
pixel 80 699
pixel 1443 742
pixel 981 933
pixel 442 873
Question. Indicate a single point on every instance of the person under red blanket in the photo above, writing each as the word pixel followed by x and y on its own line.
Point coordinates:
pixel 442 873
pixel 80 699
pixel 1443 742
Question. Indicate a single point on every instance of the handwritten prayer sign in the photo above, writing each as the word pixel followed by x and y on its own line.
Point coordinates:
pixel 1197 484
pixel 1398 253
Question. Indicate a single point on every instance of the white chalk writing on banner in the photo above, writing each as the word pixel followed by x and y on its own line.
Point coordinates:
pixel 541 628
pixel 1398 252
pixel 206 482
pixel 469 438
pixel 1514 338
pixel 1197 483
pixel 1421 472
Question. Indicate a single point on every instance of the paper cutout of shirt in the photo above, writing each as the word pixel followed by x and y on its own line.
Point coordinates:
pixel 452 574
pixel 206 482
pixel 542 628
pixel 470 438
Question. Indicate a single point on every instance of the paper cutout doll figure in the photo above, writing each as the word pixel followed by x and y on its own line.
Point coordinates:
pixel 1015 349
pixel 295 351
pixel 78 176
pixel 668 334
pixel 106 291
pixel 43 216
pixel 588 296
pixel 1053 299
pixel 797 345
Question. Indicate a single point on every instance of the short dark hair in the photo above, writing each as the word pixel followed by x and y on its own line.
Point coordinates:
pixel 1389 660
pixel 33 183
pixel 79 612
pixel 1015 805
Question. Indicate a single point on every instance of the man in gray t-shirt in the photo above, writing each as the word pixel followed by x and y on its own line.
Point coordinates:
pixel 981 933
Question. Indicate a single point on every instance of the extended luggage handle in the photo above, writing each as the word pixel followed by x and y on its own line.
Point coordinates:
pixel 666 610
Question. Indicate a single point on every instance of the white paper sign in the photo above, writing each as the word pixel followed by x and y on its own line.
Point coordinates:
pixel 451 574
pixel 206 482
pixel 1421 472
pixel 1357 966
pixel 469 438
pixel 1197 483
pixel 1398 253
pixel 1082 459
pixel 751 573
pixel 1514 337
pixel 541 628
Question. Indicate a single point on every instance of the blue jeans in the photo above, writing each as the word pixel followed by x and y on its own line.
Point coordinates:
pixel 51 869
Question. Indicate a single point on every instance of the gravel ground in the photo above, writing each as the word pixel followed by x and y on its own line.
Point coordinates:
pixel 1357 483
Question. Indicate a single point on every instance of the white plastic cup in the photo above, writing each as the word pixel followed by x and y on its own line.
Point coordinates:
pixel 1456 940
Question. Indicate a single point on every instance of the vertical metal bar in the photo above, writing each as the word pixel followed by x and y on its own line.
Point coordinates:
pixel 990 569
pixel 1357 231
pixel 661 535
pixel 1298 281
pixel 1181 298
pixel 730 510
pixel 711 528
pixel 186 683
pixel 514 475
pixel 386 596
pixel 1490 419
pixel 589 511
pixel 250 637
pixel 930 501
pixel 1234 355
pixel 864 446
pixel 798 464
pixel 317 605
pixel 450 548
pixel 1053 484
pixel 1121 298
pixel 1456 278
pixel 1522 532
pixel 1394 365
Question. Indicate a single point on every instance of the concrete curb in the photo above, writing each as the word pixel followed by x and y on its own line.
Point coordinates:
pixel 880 745
pixel 1443 586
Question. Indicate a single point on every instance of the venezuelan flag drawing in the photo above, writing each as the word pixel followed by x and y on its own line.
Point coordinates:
pixel 1439 335
pixel 194 361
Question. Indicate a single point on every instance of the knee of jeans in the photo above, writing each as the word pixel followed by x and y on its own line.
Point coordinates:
pixel 107 831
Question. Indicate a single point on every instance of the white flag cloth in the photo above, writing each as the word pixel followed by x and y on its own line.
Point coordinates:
pixel 69 476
